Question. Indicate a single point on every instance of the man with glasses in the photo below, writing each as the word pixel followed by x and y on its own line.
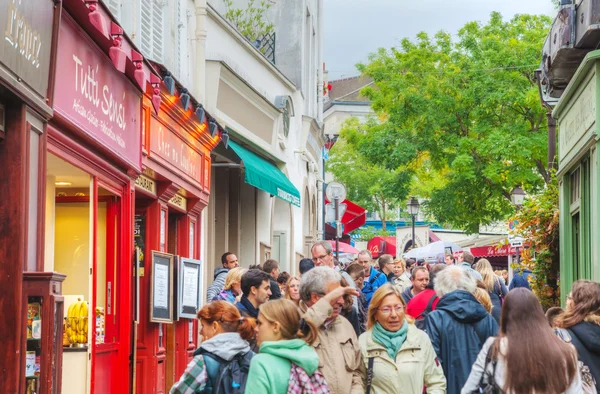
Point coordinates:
pixel 321 301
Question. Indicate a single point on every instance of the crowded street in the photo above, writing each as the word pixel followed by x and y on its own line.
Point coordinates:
pixel 299 197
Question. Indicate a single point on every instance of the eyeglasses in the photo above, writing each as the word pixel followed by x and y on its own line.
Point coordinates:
pixel 387 310
pixel 322 258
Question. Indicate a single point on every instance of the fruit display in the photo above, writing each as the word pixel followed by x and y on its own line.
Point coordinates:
pixel 76 323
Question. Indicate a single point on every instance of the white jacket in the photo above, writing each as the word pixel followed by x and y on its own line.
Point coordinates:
pixel 500 376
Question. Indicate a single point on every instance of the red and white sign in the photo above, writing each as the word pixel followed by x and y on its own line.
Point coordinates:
pixel 184 154
pixel 95 97
pixel 491 251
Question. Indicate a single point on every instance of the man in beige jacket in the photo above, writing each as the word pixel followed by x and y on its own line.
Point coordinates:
pixel 340 360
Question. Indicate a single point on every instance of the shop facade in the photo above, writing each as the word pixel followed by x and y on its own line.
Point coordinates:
pixel 26 63
pixel 578 170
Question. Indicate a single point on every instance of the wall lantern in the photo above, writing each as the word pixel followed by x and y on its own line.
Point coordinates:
pixel 517 196
pixel 116 53
pixel 200 114
pixel 169 83
pixel 212 126
pixel 184 96
pixel 96 18
pixel 139 75
pixel 155 82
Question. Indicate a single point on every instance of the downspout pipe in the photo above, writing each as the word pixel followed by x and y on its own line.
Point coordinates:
pixel 200 47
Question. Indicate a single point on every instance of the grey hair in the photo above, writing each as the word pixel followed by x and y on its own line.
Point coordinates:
pixel 325 245
pixel 365 253
pixel 454 278
pixel 316 280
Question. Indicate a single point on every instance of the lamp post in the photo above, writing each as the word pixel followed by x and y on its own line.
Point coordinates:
pixel 517 196
pixel 413 209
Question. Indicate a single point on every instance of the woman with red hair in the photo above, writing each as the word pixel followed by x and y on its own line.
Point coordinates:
pixel 226 334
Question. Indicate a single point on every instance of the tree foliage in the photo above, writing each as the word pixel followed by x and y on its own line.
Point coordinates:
pixel 466 113
pixel 250 21
pixel 369 184
pixel 537 222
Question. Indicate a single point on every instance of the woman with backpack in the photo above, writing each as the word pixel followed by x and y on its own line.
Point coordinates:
pixel 398 357
pixel 232 290
pixel 580 326
pixel 526 357
pixel 494 285
pixel 221 363
pixel 286 362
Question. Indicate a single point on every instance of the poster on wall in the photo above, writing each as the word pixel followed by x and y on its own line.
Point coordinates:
pixel 189 287
pixel 139 239
pixel 161 288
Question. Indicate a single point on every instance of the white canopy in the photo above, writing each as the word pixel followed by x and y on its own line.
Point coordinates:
pixel 433 250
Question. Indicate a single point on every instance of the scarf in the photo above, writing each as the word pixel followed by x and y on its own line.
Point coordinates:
pixel 249 307
pixel 392 341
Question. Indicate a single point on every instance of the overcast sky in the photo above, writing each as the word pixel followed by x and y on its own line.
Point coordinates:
pixel 355 28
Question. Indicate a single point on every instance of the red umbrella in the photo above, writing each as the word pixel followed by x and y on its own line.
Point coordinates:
pixel 344 247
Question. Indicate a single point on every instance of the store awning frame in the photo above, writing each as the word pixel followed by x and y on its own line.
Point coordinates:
pixel 264 175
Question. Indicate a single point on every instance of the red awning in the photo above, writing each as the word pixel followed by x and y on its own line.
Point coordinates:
pixel 382 245
pixel 344 247
pixel 492 251
pixel 354 217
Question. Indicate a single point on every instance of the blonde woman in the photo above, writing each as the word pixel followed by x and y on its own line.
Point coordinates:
pixel 292 290
pixel 483 297
pixel 285 351
pixel 398 357
pixel 494 286
pixel 232 291
pixel 400 279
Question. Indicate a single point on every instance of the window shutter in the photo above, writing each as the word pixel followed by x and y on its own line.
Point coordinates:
pixel 115 7
pixel 182 35
pixel 157 30
pixel 151 29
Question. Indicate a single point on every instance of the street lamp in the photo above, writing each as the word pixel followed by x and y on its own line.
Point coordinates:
pixel 413 209
pixel 517 196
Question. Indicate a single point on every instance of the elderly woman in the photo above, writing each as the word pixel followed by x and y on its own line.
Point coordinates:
pixel 398 357
pixel 232 291
pixel 400 279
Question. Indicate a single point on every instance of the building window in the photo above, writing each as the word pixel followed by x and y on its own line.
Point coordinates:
pixel 152 29
pixel 575 185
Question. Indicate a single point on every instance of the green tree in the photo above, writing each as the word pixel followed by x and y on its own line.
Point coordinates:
pixel 250 21
pixel 466 113
pixel 368 184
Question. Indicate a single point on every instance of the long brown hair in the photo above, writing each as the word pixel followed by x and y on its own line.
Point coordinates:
pixel 586 301
pixel 286 313
pixel 229 318
pixel 536 359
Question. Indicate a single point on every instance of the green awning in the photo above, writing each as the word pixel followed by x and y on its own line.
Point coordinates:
pixel 265 176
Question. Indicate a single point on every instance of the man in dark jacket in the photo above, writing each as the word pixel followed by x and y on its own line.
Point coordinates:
pixel 229 261
pixel 520 279
pixel 459 326
pixel 271 267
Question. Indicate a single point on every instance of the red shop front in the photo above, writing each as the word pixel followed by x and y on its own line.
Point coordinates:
pixel 170 196
pixel 93 158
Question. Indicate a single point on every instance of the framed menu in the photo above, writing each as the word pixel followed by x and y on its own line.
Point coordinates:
pixel 189 287
pixel 161 288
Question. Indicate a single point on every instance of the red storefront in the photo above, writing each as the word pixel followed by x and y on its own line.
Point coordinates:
pixel 170 196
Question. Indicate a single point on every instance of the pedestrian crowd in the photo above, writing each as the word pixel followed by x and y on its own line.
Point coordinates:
pixel 390 326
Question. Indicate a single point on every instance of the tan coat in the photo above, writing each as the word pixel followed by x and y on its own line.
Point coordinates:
pixel 337 346
pixel 402 282
pixel 415 365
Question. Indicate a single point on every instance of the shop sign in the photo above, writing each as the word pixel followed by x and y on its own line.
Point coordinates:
pixel 175 150
pixel 25 47
pixel 179 202
pixel 147 184
pixel 579 119
pixel 95 97
pixel 491 251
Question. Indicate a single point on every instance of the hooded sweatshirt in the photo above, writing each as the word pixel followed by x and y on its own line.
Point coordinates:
pixel 270 369
pixel 586 339
pixel 458 328
pixel 219 282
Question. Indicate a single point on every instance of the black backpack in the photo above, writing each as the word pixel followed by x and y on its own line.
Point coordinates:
pixel 420 320
pixel 226 377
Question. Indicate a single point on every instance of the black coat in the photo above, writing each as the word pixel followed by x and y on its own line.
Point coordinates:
pixel 586 339
pixel 275 290
pixel 458 328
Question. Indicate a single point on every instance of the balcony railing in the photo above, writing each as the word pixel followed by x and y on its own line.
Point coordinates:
pixel 266 45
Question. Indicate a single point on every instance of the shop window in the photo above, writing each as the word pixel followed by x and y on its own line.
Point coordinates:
pixel 580 226
pixel 575 185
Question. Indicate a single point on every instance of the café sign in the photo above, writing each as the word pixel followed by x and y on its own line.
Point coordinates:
pixel 26 26
pixel 95 97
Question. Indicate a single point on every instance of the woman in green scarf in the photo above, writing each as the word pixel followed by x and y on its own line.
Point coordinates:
pixel 398 357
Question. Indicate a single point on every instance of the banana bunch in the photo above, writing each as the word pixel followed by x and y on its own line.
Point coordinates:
pixel 77 327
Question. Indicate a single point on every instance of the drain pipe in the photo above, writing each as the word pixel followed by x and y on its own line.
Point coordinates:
pixel 200 59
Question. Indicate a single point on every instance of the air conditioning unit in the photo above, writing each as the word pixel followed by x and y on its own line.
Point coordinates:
pixel 560 58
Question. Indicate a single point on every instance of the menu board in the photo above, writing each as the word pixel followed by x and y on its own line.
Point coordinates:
pixel 161 288
pixel 189 287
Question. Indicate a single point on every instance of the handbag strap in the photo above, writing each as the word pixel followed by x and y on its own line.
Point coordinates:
pixel 370 374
